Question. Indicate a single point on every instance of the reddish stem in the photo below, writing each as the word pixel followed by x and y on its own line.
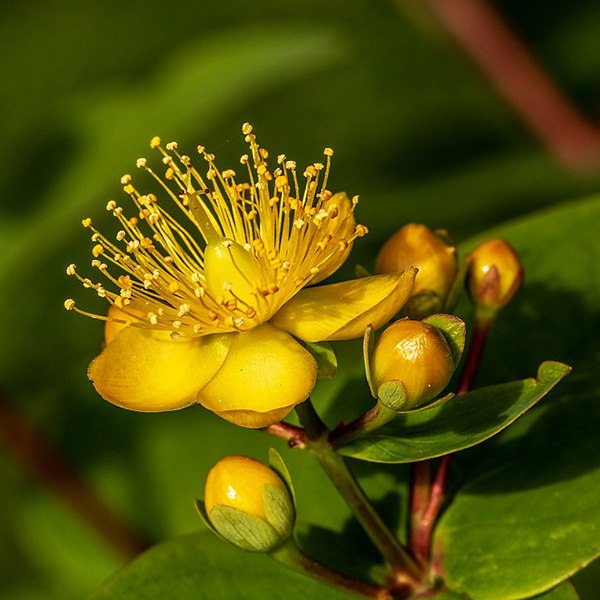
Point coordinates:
pixel 423 519
pixel 39 457
pixel 295 436
pixel 518 77
pixel 473 359
pixel 420 495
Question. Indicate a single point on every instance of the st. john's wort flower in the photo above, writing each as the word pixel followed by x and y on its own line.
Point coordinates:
pixel 207 306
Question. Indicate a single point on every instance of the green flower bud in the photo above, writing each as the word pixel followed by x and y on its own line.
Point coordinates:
pixel 495 274
pixel 248 504
pixel 416 245
pixel 415 355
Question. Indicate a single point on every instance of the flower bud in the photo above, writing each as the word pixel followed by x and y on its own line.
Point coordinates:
pixel 416 245
pixel 495 274
pixel 248 504
pixel 416 355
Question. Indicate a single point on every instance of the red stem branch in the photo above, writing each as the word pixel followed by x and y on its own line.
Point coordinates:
pixel 519 78
pixel 39 457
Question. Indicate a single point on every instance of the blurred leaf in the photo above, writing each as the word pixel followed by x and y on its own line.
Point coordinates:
pixel 563 591
pixel 189 92
pixel 460 422
pixel 202 566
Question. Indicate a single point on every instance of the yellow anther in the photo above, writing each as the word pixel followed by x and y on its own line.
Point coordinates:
pixel 171 146
pixel 153 318
pixel 155 142
pixel 128 189
pixel 184 309
pixel 133 221
pixel 126 179
pixel 246 128
pixel 69 303
pixel 97 250
pixel 361 230
pixel 118 302
pixel 328 152
pixel 86 222
pixel 281 181
pixel 124 281
pixel 111 205
pixel 141 163
pixel 173 287
pixel 71 269
pixel 169 174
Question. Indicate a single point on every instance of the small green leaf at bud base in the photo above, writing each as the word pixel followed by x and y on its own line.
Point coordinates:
pixel 416 355
pixel 418 246
pixel 495 274
pixel 248 504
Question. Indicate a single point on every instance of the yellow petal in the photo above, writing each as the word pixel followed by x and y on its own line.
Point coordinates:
pixel 340 228
pixel 256 420
pixel 148 371
pixel 342 311
pixel 265 375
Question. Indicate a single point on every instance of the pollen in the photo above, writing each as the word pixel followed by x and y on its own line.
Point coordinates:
pixel 216 251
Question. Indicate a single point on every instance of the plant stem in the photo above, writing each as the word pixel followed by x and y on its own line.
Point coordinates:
pixel 39 457
pixel 289 554
pixel 295 436
pixel 483 325
pixel 484 35
pixel 423 519
pixel 333 464
pixel 420 486
pixel 373 419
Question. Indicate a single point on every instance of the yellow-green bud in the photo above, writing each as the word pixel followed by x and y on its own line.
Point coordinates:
pixel 248 504
pixel 416 355
pixel 495 274
pixel 416 245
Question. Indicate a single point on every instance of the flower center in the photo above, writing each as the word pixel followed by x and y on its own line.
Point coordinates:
pixel 235 252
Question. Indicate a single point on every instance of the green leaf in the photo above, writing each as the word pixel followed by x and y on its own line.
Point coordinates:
pixel 325 356
pixel 453 330
pixel 278 465
pixel 564 591
pixel 200 566
pixel 456 424
pixel 531 519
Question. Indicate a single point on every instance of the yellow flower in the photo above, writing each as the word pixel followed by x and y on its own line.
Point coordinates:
pixel 207 304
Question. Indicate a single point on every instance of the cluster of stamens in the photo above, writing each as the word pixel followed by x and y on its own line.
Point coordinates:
pixel 290 236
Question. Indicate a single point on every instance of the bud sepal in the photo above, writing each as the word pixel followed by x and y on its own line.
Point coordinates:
pixel 249 504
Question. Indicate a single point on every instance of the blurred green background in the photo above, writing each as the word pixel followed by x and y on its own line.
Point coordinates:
pixel 418 132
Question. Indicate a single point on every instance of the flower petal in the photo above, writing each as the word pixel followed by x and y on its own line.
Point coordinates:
pixel 342 311
pixel 253 419
pixel 149 371
pixel 265 375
